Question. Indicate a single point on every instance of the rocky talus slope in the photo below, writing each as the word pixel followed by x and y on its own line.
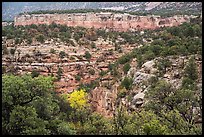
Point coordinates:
pixel 38 57
pixel 105 97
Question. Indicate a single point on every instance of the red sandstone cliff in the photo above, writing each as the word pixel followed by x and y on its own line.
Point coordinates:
pixel 116 22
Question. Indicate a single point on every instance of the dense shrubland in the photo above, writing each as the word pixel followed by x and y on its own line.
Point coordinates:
pixel 30 106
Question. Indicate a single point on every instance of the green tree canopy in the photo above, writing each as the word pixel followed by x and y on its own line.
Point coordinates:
pixel 29 105
pixel 40 38
pixel 190 70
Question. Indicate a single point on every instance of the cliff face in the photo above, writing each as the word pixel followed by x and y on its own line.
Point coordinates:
pixel 116 22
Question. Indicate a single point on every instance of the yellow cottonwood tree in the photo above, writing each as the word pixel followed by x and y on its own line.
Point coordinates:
pixel 78 99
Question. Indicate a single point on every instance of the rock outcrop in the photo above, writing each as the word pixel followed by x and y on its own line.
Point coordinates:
pixel 73 64
pixel 138 98
pixel 140 76
pixel 174 76
pixel 103 20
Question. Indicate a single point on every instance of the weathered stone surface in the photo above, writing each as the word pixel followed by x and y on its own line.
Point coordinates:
pixel 139 96
pixel 106 20
pixel 140 76
pixel 168 76
pixel 148 64
pixel 176 75
pixel 137 101
pixel 148 67
pixel 6 23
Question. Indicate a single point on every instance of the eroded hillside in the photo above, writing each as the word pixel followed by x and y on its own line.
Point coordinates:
pixel 155 70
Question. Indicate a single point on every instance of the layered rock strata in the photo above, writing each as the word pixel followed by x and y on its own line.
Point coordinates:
pixel 103 20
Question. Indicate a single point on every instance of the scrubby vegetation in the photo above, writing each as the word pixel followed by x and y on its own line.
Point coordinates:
pixel 180 40
pixel 164 14
pixel 30 105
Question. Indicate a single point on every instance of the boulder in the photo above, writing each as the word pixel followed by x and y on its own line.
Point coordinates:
pixel 131 71
pixel 139 77
pixel 145 90
pixel 196 111
pixel 148 64
pixel 132 107
pixel 176 75
pixel 139 96
pixel 139 102
pixel 138 99
pixel 123 101
pixel 167 76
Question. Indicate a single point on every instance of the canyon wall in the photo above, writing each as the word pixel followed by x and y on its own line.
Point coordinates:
pixel 103 20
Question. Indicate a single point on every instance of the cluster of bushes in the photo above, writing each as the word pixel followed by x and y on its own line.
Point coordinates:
pixel 42 32
pixel 170 13
pixel 82 11
pixel 87 55
pixel 181 101
pixel 62 54
pixel 127 83
pixel 12 32
pixel 89 86
pixel 31 107
pixel 190 75
pixel 37 32
pixel 180 40
pixel 164 14
pixel 59 73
